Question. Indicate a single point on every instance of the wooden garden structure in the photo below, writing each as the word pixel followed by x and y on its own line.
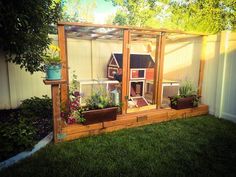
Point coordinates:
pixel 60 89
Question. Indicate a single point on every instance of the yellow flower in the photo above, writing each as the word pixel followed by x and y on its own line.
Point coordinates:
pixel 54 48
pixel 58 49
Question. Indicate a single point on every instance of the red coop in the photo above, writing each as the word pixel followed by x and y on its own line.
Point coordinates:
pixel 141 76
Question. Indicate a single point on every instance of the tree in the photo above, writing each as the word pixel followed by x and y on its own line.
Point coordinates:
pixel 86 11
pixel 76 11
pixel 210 16
pixel 24 28
pixel 70 11
pixel 136 12
pixel 121 18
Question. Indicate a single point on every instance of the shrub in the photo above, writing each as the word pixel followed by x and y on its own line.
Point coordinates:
pixel 35 108
pixel 23 127
pixel 16 137
pixel 38 112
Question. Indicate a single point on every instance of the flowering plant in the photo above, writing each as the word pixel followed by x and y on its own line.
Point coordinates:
pixel 99 99
pixel 51 57
pixel 75 114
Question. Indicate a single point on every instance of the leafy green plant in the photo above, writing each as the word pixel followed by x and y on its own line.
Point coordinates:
pixel 99 99
pixel 174 99
pixel 187 89
pixel 16 137
pixel 36 108
pixel 38 112
pixel 78 115
pixel 51 56
pixel 73 85
pixel 23 127
pixel 196 100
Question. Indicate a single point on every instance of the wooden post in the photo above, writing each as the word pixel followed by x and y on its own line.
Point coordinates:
pixel 202 64
pixel 63 54
pixel 156 70
pixel 57 129
pixel 160 66
pixel 125 70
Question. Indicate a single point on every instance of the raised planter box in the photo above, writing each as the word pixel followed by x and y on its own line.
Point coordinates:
pixel 183 103
pixel 100 115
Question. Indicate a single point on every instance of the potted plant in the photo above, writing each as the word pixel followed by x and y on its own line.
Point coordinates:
pixel 187 97
pixel 52 63
pixel 99 108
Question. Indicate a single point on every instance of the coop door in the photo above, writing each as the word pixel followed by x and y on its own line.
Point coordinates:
pixel 136 88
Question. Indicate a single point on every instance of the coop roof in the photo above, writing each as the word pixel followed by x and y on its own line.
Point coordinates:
pixel 136 60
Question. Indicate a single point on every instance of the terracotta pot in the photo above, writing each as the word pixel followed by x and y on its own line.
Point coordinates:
pixel 183 103
pixel 100 115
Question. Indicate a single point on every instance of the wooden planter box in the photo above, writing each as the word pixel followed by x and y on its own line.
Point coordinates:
pixel 183 103
pixel 100 115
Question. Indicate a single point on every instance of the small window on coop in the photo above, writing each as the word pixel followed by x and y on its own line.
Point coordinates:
pixel 138 73
pixel 112 72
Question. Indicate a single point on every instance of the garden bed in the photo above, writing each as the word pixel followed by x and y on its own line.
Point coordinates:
pixel 22 128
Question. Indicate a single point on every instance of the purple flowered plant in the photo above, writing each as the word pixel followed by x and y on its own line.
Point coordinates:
pixel 75 113
pixel 75 110
pixel 76 94
pixel 71 120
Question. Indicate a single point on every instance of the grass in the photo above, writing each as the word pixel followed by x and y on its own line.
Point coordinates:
pixel 201 146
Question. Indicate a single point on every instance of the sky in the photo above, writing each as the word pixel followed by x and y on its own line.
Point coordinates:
pixel 102 11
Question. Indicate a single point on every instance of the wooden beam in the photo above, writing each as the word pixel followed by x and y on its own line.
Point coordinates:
pixel 63 56
pixel 156 70
pixel 145 33
pixel 57 128
pixel 128 28
pixel 202 64
pixel 125 71
pixel 160 67
pixel 56 110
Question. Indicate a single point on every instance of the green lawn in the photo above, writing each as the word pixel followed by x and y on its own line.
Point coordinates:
pixel 201 146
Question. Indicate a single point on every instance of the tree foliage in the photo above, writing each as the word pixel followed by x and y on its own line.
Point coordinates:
pixel 136 12
pixel 210 16
pixel 76 11
pixel 70 10
pixel 24 28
